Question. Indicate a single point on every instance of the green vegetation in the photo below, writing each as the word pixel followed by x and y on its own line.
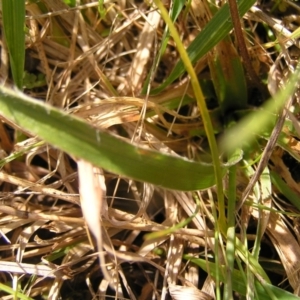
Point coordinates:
pixel 144 150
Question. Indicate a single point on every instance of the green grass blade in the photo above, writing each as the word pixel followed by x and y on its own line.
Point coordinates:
pixel 212 34
pixel 251 262
pixel 260 122
pixel 13 13
pixel 285 190
pixel 10 291
pixel 239 284
pixel 228 77
pixel 204 113
pixel 101 9
pixel 230 245
pixel 102 149
pixel 266 190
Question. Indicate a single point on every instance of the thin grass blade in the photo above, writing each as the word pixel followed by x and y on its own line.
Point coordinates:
pixel 239 283
pixel 211 35
pixel 259 122
pixel 13 13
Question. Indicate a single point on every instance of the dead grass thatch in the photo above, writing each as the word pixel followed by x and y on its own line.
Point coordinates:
pixel 96 68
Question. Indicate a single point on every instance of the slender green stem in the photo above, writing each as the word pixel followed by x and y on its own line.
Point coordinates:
pixel 230 245
pixel 221 223
pixel 204 112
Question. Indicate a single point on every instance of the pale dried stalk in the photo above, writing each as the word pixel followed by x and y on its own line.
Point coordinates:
pixel 178 292
pixel 25 184
pixel 287 248
pixel 63 11
pixel 92 192
pixel 37 38
pixel 32 269
pixel 283 33
pixel 137 71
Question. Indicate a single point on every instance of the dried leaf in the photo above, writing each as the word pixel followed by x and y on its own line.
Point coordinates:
pixel 92 192
pixel 178 292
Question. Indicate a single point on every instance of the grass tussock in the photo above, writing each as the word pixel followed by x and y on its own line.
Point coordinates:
pixel 182 213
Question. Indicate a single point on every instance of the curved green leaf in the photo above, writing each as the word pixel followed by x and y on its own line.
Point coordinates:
pixel 80 139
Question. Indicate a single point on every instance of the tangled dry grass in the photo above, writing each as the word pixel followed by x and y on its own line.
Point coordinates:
pixel 96 69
